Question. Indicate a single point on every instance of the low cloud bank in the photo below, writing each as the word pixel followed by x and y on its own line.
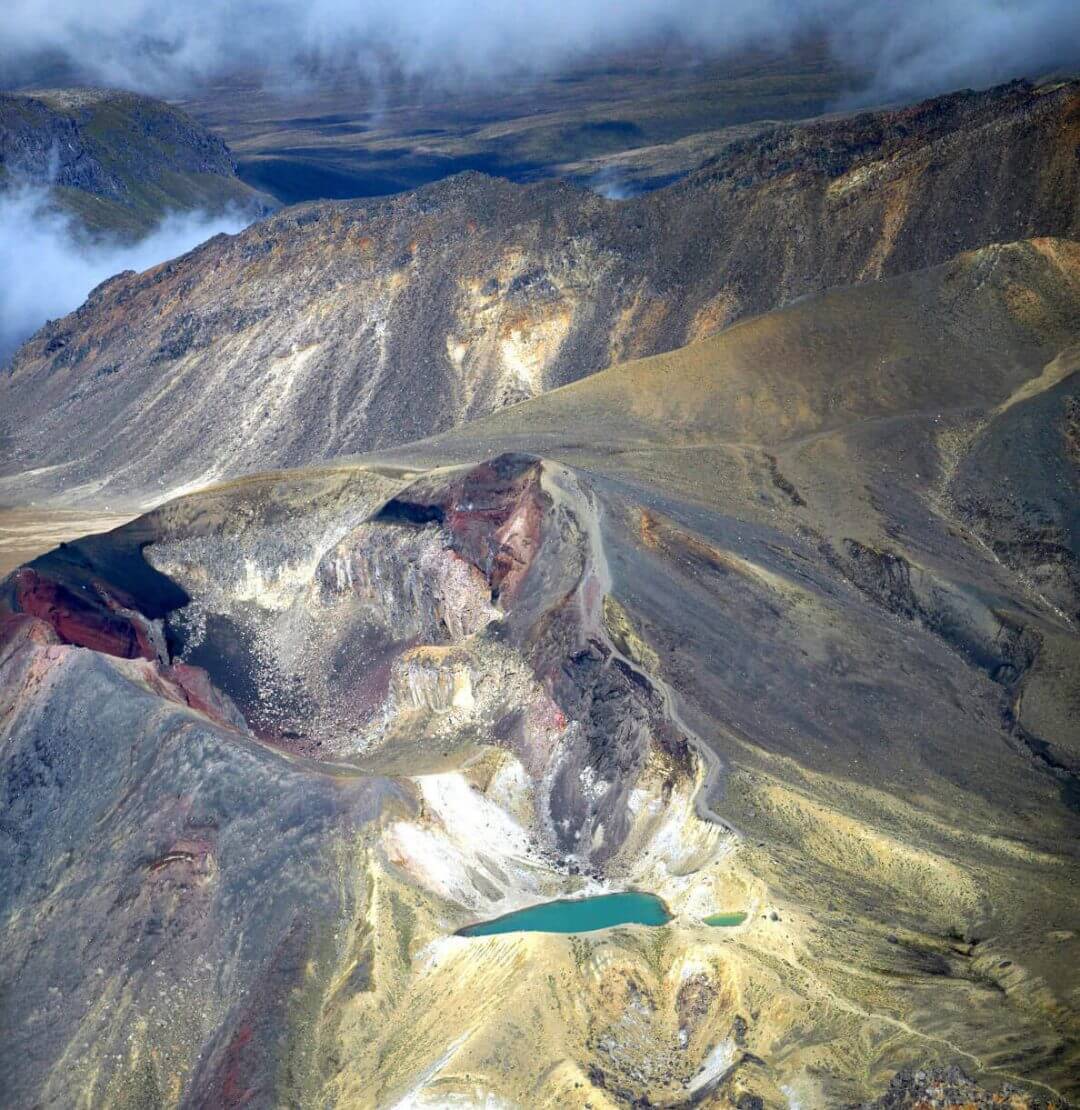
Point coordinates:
pixel 898 48
pixel 48 266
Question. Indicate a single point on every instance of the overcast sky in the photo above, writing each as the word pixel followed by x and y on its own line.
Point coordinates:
pixel 902 47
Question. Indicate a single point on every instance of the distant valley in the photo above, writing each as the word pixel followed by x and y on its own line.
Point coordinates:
pixel 632 124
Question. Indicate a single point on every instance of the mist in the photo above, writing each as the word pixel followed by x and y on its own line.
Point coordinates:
pixel 611 183
pixel 48 266
pixel 894 49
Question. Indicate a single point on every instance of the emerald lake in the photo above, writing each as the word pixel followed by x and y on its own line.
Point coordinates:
pixel 727 920
pixel 577 915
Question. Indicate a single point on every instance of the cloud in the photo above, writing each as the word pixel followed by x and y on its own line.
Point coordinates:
pixel 921 47
pixel 900 47
pixel 611 183
pixel 48 266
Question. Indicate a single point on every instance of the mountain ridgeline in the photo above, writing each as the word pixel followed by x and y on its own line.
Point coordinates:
pixel 780 625
pixel 719 546
pixel 117 161
pixel 349 326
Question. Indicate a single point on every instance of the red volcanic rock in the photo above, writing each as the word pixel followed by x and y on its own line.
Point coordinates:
pixel 493 516
pixel 233 1090
pixel 103 618
pixel 101 624
pixel 201 694
pixel 189 686
pixel 518 539
pixel 241 1068
pixel 19 629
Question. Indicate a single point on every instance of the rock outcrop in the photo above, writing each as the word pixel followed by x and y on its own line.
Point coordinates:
pixel 344 327
pixel 735 625
pixel 117 160
pixel 952 1089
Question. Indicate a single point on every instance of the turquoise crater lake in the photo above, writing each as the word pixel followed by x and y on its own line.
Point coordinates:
pixel 577 915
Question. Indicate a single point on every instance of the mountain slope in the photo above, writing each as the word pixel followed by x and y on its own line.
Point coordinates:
pixel 753 625
pixel 352 326
pixel 117 160
pixel 965 334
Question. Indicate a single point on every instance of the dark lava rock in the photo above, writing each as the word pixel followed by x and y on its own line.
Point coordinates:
pixel 950 1089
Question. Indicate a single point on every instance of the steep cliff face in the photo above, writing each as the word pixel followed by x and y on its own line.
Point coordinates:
pixel 343 327
pixel 267 748
pixel 117 160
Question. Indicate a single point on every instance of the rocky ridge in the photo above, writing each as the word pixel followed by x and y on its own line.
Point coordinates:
pixel 117 160
pixel 357 325
pixel 756 640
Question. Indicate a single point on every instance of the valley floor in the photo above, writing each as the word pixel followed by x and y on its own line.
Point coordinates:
pixel 27 532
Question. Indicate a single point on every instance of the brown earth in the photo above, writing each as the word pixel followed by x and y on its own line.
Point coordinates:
pixel 358 325
pixel 784 623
